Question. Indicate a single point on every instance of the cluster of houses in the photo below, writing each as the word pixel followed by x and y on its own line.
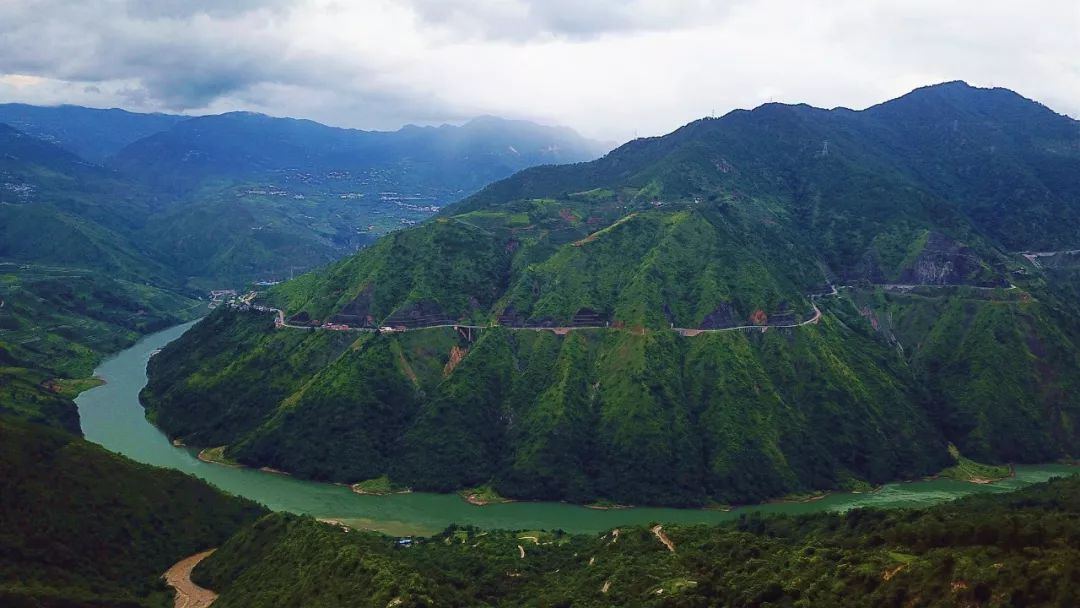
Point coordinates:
pixel 245 303
pixel 221 296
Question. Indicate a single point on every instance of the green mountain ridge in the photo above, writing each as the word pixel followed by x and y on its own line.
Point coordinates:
pixel 461 158
pixel 666 246
pixel 90 258
pixel 218 201
pixel 91 133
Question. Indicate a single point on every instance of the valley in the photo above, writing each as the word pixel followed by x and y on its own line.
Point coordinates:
pixel 784 356
pixel 736 314
pixel 113 417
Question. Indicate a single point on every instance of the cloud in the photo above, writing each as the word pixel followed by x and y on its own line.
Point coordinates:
pixel 607 68
pixel 179 9
pixel 525 20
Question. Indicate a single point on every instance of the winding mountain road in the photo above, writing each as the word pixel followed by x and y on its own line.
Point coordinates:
pixel 686 332
pixel 280 322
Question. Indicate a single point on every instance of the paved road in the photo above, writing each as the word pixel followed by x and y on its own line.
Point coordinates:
pixel 682 331
pixel 902 286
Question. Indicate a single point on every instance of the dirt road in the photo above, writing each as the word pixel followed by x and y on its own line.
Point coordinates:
pixel 659 532
pixel 188 594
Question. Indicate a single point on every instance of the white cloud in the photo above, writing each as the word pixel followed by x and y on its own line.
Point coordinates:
pixel 608 68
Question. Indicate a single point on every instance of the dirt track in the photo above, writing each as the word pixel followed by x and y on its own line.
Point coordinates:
pixel 188 594
pixel 659 532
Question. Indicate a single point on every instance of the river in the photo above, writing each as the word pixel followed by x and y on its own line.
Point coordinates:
pixel 113 417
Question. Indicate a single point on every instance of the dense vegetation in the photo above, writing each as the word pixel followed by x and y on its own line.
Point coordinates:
pixel 938 334
pixel 992 550
pixel 98 245
pixel 63 320
pixel 32 395
pixel 84 527
pixel 215 201
pixel 596 414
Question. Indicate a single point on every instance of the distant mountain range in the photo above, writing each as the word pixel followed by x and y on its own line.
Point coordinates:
pixel 110 221
pixel 775 301
pixel 241 196
pixel 90 133
pixel 439 164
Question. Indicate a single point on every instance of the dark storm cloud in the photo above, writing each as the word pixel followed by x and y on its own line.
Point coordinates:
pixel 611 68
pixel 182 53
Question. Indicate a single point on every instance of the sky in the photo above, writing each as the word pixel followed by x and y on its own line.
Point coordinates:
pixel 611 69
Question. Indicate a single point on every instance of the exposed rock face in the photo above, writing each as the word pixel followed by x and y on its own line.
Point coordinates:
pixel 419 314
pixel 300 318
pixel 783 315
pixel 867 269
pixel 457 353
pixel 585 317
pixel 358 311
pixel 942 261
pixel 723 316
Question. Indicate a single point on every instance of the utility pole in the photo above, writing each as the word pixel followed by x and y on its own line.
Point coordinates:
pixel 825 148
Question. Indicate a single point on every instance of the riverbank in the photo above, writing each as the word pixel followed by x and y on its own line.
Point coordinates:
pixel 113 417
pixel 72 387
pixel 483 496
pixel 379 486
pixel 214 456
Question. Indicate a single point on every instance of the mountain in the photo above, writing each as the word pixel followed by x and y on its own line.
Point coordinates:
pixel 257 197
pixel 442 163
pixel 84 526
pixel 92 257
pixel 695 350
pixel 991 550
pixel 224 200
pixel 77 280
pixel 91 133
pixel 56 208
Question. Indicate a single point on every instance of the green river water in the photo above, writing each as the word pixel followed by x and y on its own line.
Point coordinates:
pixel 113 417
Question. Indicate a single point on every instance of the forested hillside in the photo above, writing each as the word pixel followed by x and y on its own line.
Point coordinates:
pixel 92 257
pixel 775 301
pixel 215 201
pixel 85 527
pixel 995 550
